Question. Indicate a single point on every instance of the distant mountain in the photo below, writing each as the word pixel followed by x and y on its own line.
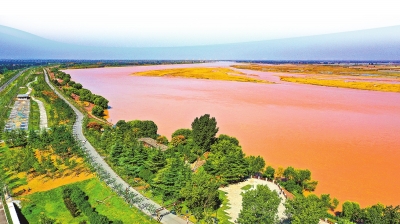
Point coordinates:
pixel 371 44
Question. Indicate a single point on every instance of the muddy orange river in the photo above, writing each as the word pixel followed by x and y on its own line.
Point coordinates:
pixel 349 139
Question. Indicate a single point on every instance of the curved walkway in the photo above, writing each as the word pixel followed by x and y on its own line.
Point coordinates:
pixel 167 217
pixel 42 110
pixel 235 198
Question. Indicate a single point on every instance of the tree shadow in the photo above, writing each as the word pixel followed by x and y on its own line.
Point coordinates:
pixel 21 216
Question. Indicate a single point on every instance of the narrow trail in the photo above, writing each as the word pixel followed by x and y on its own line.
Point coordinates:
pixel 167 217
pixel 42 110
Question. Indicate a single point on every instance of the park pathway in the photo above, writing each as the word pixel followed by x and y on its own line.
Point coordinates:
pixel 167 217
pixel 42 110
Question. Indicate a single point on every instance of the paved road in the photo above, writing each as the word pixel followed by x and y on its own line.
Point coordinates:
pixel 168 218
pixel 42 110
pixel 11 80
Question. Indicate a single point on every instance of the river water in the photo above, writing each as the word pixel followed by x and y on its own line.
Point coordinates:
pixel 349 139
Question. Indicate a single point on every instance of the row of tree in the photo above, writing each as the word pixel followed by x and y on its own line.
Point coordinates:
pixel 60 112
pixel 70 87
pixel 168 173
pixel 58 141
pixel 77 202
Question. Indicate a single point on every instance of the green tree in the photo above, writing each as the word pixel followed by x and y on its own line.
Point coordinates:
pixel 101 101
pixel 259 206
pixel 143 129
pixel 156 160
pixel 302 209
pixel 329 202
pixel 162 140
pixel 391 214
pixel 256 164
pixel 350 210
pixel 187 133
pixel 201 193
pixel 43 219
pixel 116 152
pixel 77 86
pixel 233 140
pixel 227 161
pixel 269 173
pixel 172 178
pixel 97 111
pixel 204 130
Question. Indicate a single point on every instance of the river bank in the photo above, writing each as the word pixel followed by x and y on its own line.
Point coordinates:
pixel 347 138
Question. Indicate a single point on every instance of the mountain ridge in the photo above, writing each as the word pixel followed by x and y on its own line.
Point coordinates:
pixel 372 44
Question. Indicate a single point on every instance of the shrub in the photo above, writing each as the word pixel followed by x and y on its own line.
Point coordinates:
pixel 97 111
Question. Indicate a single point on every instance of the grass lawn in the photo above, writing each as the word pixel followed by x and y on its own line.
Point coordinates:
pixel 247 187
pixel 222 215
pixel 23 90
pixel 34 117
pixel 225 74
pixel 51 203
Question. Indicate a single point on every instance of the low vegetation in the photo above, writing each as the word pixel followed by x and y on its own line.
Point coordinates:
pixel 224 74
pixel 376 86
pixel 95 103
pixel 104 201
pixel 102 64
pixel 58 112
pixel 354 70
pixel 169 177
pixel 34 116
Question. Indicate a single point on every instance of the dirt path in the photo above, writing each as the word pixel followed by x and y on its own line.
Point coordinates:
pixel 235 198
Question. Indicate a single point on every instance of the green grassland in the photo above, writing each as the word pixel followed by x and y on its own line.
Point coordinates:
pixel 34 117
pixel 101 197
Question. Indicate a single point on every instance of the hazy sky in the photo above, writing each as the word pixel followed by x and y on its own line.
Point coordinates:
pixel 143 23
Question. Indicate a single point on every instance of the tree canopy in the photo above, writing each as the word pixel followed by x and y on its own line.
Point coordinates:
pixel 302 209
pixel 204 129
pixel 259 206
pixel 227 161
pixel 201 193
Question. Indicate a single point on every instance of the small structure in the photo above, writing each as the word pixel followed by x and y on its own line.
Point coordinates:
pixel 149 142
pixel 23 97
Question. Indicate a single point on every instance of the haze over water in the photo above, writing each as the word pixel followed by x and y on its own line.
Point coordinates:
pixel 349 139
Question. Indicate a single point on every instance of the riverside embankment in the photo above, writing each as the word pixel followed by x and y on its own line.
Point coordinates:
pixel 347 138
